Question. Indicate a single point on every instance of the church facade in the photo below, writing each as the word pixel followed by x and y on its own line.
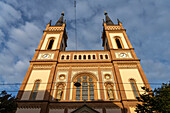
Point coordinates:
pixel 96 81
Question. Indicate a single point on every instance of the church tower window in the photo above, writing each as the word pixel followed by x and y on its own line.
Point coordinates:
pixel 118 42
pixel 35 89
pixel 50 44
pixel 134 88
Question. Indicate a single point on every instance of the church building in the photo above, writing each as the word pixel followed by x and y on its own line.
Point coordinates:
pixel 95 81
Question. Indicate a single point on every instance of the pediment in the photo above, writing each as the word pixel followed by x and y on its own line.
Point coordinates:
pixel 85 109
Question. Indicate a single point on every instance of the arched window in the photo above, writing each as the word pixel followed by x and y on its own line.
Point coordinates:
pixel 62 57
pixel 87 89
pixel 106 56
pixel 118 42
pixel 67 57
pixel 94 57
pixel 110 91
pixel 89 56
pixel 35 89
pixel 50 44
pixel 134 87
pixel 80 57
pixel 101 56
pixel 84 56
pixel 75 57
pixel 59 91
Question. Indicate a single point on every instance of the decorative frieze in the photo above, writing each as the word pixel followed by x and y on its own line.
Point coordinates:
pixel 32 106
pixel 63 68
pixel 127 66
pixel 113 28
pixel 55 29
pixel 42 66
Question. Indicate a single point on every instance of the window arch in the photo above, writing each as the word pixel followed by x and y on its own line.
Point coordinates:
pixel 59 91
pixel 89 56
pixel 106 56
pixel 134 88
pixel 87 89
pixel 50 43
pixel 110 91
pixel 94 57
pixel 35 89
pixel 75 56
pixel 62 57
pixel 101 56
pixel 79 57
pixel 68 57
pixel 84 57
pixel 118 42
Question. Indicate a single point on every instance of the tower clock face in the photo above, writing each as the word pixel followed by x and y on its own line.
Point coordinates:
pixel 46 56
pixel 123 55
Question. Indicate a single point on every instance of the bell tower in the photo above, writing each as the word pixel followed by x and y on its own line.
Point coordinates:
pixel 128 71
pixel 54 40
pixel 38 81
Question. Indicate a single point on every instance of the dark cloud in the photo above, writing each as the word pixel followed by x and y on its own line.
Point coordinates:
pixel 22 23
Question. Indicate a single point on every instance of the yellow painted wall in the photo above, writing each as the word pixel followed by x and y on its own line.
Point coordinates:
pixel 126 75
pixel 42 75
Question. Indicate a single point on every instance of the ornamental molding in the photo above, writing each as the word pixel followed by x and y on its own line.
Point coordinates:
pixel 56 29
pixel 127 66
pixel 106 67
pixel 29 107
pixel 113 28
pixel 42 66
pixel 62 67
pixel 84 68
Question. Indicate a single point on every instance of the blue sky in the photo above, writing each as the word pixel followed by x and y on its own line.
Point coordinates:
pixel 22 23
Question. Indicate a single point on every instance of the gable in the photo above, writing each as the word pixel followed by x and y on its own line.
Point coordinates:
pixel 85 109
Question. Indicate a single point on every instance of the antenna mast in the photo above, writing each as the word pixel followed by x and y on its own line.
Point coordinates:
pixel 75 23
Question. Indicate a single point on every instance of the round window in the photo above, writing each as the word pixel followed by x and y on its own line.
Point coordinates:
pixel 62 77
pixel 107 76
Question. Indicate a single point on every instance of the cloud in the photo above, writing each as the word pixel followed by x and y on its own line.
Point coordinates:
pixel 9 15
pixel 19 50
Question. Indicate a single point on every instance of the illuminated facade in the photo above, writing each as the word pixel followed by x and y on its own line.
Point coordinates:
pixel 110 79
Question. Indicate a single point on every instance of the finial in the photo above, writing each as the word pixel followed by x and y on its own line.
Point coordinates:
pixel 50 22
pixel 107 19
pixel 60 21
pixel 118 21
pixel 105 13
pixel 62 13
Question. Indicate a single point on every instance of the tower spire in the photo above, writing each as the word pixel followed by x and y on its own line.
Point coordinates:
pixel 108 20
pixel 60 21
